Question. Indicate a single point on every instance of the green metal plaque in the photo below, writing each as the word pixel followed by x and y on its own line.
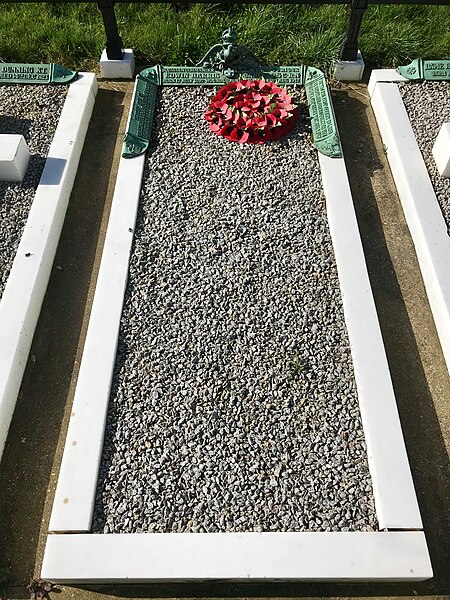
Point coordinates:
pixel 221 64
pixel 323 123
pixel 294 75
pixel 37 73
pixel 137 138
pixel 191 76
pixel 430 70
pixel 206 76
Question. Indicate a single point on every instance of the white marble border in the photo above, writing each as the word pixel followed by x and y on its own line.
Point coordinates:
pixel 22 298
pixel 419 202
pixel 128 558
pixel 75 493
pixel 395 499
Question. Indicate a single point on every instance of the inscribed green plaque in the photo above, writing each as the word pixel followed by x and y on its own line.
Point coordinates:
pixel 137 138
pixel 192 76
pixel 430 70
pixel 323 124
pixel 35 73
pixel 325 133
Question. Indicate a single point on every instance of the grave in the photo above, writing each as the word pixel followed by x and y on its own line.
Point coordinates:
pixel 233 333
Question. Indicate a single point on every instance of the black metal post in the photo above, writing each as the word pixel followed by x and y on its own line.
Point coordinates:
pixel 349 50
pixel 113 40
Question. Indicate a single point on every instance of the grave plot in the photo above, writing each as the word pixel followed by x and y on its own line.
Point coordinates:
pixel 53 120
pixel 234 404
pixel 234 416
pixel 410 115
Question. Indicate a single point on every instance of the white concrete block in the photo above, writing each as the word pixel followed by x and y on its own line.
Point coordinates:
pixel 441 150
pixel 349 70
pixel 14 157
pixel 117 69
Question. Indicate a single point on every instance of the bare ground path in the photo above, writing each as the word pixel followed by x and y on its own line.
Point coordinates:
pixel 33 451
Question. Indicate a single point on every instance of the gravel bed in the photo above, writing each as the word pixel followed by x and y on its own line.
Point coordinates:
pixel 33 111
pixel 428 106
pixel 233 406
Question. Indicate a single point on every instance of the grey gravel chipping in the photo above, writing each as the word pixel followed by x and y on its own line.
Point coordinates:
pixel 428 106
pixel 233 405
pixel 32 111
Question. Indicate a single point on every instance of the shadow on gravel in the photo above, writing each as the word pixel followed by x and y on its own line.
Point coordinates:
pixel 27 468
pixel 10 125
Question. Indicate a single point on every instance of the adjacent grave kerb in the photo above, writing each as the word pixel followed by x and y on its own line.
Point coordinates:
pixel 24 292
pixel 420 205
pixel 226 62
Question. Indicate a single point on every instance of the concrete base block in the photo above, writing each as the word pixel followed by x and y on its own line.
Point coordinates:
pixel 117 69
pixel 14 157
pixel 441 150
pixel 349 70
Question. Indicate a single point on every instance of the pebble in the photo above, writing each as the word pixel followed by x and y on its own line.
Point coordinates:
pixel 428 106
pixel 233 404
pixel 32 111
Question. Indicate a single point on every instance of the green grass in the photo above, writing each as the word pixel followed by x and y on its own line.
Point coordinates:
pixel 72 34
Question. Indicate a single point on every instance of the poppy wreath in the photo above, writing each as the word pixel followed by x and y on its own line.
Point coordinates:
pixel 251 112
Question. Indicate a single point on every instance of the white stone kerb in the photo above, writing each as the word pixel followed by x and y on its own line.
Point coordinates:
pixel 24 292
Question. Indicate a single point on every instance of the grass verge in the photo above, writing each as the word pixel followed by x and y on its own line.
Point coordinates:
pixel 73 35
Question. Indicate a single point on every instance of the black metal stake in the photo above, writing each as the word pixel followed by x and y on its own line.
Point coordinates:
pixel 113 40
pixel 349 50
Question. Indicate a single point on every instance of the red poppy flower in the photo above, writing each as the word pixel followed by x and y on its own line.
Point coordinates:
pixel 251 112
pixel 239 135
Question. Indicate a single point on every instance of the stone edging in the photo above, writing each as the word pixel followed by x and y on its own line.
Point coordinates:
pixel 27 282
pixel 420 206
pixel 77 556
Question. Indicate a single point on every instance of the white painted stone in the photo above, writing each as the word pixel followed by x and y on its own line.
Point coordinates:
pixel 165 557
pixel 14 157
pixel 24 292
pixel 441 150
pixel 117 69
pixel 419 202
pixel 383 75
pixel 395 498
pixel 349 70
pixel 75 493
